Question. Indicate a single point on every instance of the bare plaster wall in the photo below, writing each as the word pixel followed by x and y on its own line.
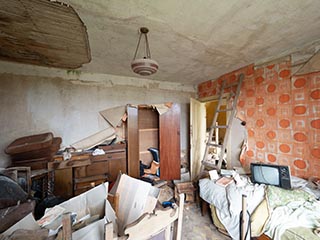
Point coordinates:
pixel 70 109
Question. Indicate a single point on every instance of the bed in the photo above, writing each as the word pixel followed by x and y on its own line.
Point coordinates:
pixel 275 213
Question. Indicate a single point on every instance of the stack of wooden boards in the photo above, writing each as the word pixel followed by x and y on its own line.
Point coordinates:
pixel 33 151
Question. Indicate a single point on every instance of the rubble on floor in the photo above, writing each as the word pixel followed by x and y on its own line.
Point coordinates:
pixel 135 214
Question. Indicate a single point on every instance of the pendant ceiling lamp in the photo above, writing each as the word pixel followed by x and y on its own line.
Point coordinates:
pixel 144 66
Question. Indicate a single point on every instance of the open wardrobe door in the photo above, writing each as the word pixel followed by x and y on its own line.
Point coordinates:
pixel 170 143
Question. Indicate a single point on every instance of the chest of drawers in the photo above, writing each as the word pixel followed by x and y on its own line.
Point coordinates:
pixel 85 171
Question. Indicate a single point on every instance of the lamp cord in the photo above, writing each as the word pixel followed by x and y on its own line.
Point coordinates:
pixel 147 47
pixel 147 50
pixel 135 54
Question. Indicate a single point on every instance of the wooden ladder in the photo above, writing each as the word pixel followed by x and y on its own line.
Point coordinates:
pixel 214 127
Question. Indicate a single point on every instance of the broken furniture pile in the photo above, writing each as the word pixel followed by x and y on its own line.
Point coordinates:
pixel 85 170
pixel 136 214
pixel 33 151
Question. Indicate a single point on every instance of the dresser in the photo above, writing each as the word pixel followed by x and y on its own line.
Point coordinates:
pixel 103 168
pixel 85 171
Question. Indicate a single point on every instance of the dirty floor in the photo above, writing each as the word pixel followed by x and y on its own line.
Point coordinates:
pixel 197 227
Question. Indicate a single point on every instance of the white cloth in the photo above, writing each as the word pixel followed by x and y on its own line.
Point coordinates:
pixel 228 202
pixel 294 214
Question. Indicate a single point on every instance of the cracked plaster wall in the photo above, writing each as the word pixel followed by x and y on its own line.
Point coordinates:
pixel 70 108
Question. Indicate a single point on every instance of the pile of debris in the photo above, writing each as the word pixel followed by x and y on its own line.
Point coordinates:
pixel 34 151
pixel 129 211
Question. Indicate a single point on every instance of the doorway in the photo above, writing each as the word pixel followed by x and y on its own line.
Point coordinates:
pixel 201 117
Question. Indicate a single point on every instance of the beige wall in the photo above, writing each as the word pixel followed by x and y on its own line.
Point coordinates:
pixel 33 100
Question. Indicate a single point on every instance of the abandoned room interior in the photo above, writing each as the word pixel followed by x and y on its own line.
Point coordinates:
pixel 159 119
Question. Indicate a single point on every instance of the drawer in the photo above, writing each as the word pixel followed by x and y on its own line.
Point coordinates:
pixel 84 184
pixel 95 168
pixel 109 156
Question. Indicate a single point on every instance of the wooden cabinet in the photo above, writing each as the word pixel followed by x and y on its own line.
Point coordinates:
pixel 102 168
pixel 83 172
pixel 145 129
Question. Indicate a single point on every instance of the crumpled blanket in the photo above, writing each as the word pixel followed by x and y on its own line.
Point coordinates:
pixel 228 201
pixel 289 209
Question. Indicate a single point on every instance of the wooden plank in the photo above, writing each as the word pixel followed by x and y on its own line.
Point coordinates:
pixel 114 115
pixel 150 224
pixel 180 217
pixel 74 157
pixel 133 195
pixel 68 164
pixel 148 118
pixel 170 143
pixel 133 140
pixel 66 226
pixel 114 148
pixel 148 138
pixel 30 143
pixel 114 201
pixel 34 164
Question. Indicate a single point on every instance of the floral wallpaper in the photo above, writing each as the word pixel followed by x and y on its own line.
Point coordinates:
pixel 282 114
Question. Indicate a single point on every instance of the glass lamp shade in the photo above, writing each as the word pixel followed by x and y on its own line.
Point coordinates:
pixel 144 66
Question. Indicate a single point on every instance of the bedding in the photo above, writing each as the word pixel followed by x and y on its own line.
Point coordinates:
pixel 228 201
pixel 290 209
pixel 278 213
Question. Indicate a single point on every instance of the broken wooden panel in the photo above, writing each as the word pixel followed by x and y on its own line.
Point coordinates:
pixel 133 142
pixel 42 32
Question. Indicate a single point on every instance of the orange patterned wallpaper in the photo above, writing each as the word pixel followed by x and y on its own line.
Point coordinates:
pixel 282 115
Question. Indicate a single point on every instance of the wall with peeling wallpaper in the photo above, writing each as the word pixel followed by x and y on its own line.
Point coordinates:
pixel 282 114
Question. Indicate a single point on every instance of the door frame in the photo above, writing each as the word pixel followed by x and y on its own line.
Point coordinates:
pixel 198 133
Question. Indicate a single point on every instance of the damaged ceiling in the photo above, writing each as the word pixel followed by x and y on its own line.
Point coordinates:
pixel 194 41
pixel 42 33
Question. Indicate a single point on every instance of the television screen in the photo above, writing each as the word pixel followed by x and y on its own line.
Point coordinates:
pixel 276 175
pixel 265 174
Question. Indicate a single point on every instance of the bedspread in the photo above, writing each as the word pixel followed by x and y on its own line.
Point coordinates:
pixel 290 209
pixel 287 208
pixel 228 201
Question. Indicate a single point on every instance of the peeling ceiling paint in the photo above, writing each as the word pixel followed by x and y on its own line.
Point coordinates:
pixel 194 41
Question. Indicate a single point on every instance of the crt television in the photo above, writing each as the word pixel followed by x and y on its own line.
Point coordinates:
pixel 276 175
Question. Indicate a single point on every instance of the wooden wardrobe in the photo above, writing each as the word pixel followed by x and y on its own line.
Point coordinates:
pixel 147 128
